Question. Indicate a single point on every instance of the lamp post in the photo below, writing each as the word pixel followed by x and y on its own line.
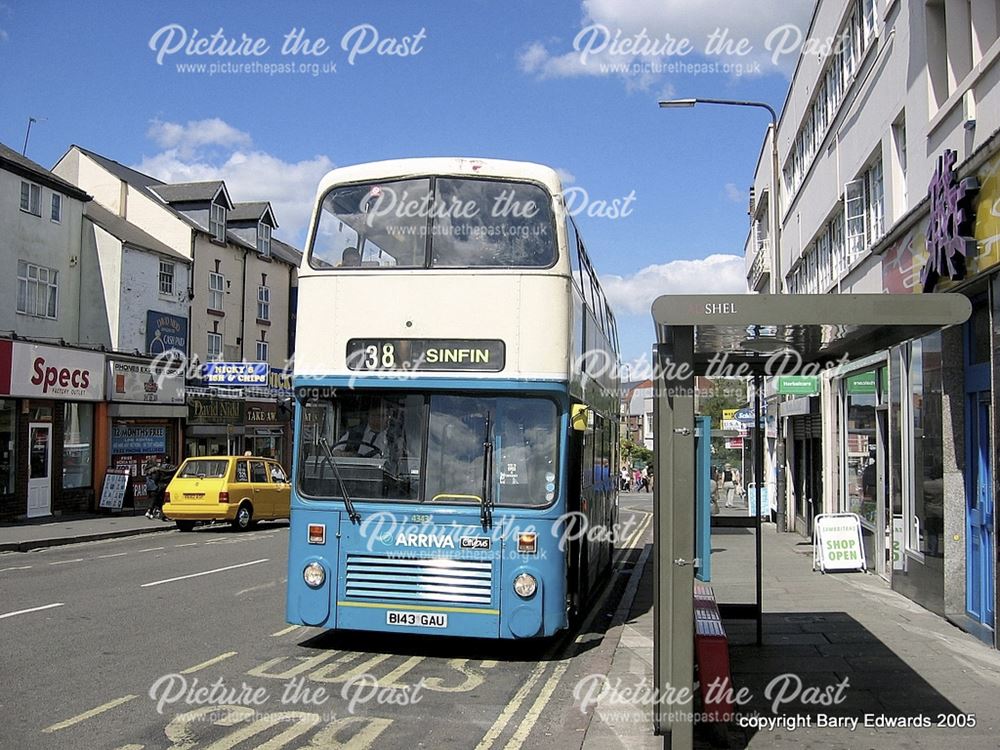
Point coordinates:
pixel 775 285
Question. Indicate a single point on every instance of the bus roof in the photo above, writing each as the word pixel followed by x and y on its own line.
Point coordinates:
pixel 441 165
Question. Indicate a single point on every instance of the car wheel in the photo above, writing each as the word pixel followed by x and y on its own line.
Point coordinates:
pixel 244 518
pixel 185 525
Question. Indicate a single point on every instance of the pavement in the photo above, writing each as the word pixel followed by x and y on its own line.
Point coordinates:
pixel 22 536
pixel 845 663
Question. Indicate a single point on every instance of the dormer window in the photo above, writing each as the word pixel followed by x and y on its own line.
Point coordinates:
pixel 217 222
pixel 264 239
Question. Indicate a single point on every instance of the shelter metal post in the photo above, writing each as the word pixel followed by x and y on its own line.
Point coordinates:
pixel 674 510
pixel 758 469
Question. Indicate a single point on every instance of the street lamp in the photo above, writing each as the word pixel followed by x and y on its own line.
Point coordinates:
pixel 775 284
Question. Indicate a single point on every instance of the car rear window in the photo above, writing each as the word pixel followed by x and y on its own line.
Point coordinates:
pixel 214 468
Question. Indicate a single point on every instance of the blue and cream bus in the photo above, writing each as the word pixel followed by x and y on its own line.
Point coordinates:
pixel 456 405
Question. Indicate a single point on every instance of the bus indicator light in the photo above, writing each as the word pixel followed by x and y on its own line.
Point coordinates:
pixel 317 533
pixel 527 543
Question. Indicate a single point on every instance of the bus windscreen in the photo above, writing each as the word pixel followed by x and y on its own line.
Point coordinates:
pixel 435 222
pixel 429 447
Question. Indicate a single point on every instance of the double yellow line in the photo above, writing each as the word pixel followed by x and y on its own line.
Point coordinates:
pixel 548 687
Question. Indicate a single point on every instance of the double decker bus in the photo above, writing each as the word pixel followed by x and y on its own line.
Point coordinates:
pixel 457 405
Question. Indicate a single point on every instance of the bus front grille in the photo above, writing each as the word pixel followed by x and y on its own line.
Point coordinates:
pixel 426 580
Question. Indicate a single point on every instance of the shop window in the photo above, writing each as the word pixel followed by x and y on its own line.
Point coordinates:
pixel 8 432
pixel 78 445
pixel 861 469
pixel 926 514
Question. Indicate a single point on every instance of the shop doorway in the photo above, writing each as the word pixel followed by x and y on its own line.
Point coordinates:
pixel 39 469
pixel 978 469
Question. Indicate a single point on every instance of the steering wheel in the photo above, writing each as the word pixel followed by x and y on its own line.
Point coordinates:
pixel 377 451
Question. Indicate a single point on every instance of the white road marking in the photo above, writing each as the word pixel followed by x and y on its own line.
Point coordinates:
pixel 256 588
pixel 152 549
pixel 515 703
pixel 89 714
pixel 531 717
pixel 189 544
pixel 33 609
pixel 66 562
pixel 203 573
pixel 210 662
pixel 117 554
pixel 285 631
pixel 548 687
pixel 20 567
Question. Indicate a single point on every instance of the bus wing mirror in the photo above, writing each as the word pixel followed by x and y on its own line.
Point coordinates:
pixel 579 417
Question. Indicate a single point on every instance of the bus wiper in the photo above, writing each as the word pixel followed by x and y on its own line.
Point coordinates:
pixel 352 513
pixel 486 508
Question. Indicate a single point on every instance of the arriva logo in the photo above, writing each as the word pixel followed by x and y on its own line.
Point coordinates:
pixel 425 540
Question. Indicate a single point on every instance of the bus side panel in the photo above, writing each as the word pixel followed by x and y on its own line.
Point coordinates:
pixel 306 605
pixel 544 613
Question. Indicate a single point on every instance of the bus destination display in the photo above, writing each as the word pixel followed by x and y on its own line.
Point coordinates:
pixel 483 355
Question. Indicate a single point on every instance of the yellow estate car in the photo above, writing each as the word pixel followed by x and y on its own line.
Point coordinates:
pixel 238 489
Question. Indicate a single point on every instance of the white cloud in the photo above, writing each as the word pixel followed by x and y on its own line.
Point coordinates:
pixel 716 274
pixel 219 151
pixel 734 194
pixel 197 134
pixel 636 39
pixel 3 36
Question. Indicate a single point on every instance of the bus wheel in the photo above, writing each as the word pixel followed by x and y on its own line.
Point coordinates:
pixel 185 525
pixel 244 518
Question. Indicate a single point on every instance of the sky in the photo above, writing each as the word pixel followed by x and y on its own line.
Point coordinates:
pixel 271 96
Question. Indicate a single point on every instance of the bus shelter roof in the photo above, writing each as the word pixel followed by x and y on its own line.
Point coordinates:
pixel 821 328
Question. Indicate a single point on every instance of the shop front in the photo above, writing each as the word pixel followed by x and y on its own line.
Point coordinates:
pixel 214 426
pixel 143 421
pixel 941 465
pixel 803 431
pixel 267 431
pixel 49 397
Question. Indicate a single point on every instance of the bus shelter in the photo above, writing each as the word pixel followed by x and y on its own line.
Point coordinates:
pixel 754 336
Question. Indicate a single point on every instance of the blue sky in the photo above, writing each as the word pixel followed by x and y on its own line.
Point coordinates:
pixel 515 79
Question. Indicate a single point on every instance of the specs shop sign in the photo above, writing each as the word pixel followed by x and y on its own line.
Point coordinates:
pixel 55 372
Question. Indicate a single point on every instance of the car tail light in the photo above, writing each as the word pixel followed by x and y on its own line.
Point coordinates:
pixel 166 496
pixel 223 497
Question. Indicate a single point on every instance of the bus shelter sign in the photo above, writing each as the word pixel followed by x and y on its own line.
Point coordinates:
pixel 837 543
pixel 481 355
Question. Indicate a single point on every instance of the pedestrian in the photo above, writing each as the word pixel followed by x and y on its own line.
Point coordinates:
pixel 623 481
pixel 730 483
pixel 649 478
pixel 158 473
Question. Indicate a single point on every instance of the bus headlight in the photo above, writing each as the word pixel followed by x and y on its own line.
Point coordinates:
pixel 525 585
pixel 314 575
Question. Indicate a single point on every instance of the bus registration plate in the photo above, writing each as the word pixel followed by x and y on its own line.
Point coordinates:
pixel 416 619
